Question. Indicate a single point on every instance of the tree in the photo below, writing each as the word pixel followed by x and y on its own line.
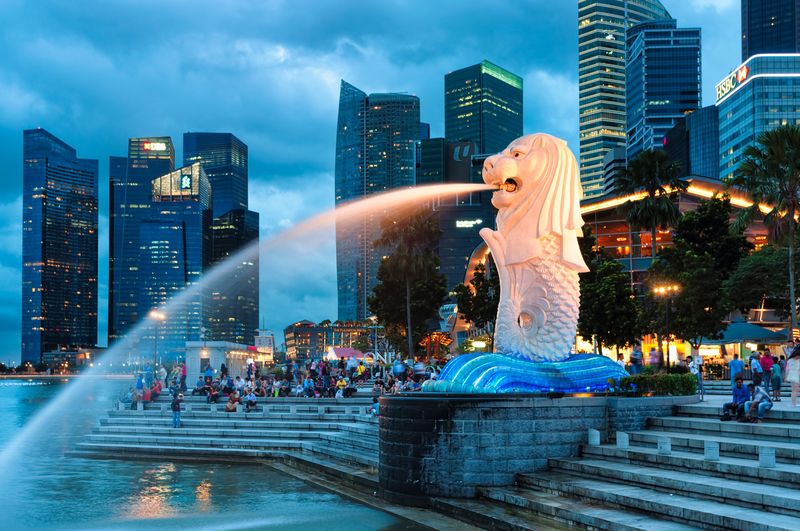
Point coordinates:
pixel 770 174
pixel 478 301
pixel 608 307
pixel 761 278
pixel 409 273
pixel 652 172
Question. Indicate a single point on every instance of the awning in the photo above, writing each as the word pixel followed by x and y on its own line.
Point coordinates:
pixel 744 332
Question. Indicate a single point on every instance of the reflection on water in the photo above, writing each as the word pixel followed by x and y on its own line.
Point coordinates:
pixel 43 489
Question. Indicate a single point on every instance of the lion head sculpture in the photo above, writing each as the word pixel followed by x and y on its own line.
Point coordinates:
pixel 539 195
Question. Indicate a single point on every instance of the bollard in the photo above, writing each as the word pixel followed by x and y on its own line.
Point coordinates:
pixel 212 408
pixel 664 445
pixel 239 408
pixel 139 406
pixel 766 457
pixel 623 440
pixel 594 437
pixel 164 408
pixel 187 407
pixel 711 451
pixel 121 406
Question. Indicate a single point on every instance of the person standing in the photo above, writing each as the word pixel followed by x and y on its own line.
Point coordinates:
pixel 776 379
pixel 162 375
pixel 696 368
pixel 736 368
pixel 637 359
pixel 183 376
pixel 792 375
pixel 766 364
pixel 654 358
pixel 176 410
pixel 756 372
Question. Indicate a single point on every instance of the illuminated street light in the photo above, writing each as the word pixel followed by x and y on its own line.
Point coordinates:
pixel 667 291
pixel 157 317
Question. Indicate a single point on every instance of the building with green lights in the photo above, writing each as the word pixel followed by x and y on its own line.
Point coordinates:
pixel 483 104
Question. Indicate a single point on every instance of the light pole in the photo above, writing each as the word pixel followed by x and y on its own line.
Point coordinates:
pixel 157 317
pixel 667 291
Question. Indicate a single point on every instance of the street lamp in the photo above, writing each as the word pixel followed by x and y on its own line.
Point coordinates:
pixel 667 291
pixel 157 317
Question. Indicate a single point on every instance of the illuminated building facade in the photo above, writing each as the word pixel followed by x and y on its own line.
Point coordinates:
pixel 59 247
pixel 224 159
pixel 307 340
pixel 662 81
pixel 634 249
pixel 376 143
pixel 694 143
pixel 460 217
pixel 602 27
pixel 770 26
pixel 130 199
pixel 760 95
pixel 174 251
pixel 233 307
pixel 483 105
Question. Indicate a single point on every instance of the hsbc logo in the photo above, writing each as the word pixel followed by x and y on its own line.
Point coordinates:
pixel 733 80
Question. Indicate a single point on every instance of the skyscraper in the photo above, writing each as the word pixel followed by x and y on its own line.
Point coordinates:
pixel 694 143
pixel 233 308
pixel 59 246
pixel 758 96
pixel 130 198
pixel 662 81
pixel 376 141
pixel 483 104
pixel 602 27
pixel 224 159
pixel 770 26
pixel 174 251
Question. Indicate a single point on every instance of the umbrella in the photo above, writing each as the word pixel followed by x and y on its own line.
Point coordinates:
pixel 744 332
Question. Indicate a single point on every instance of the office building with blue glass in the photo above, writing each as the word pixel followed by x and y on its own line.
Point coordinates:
pixel 376 144
pixel 770 26
pixel 760 95
pixel 59 246
pixel 130 199
pixel 233 306
pixel 663 81
pixel 174 251
pixel 694 143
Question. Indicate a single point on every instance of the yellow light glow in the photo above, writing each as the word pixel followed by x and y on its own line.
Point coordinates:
pixel 479 344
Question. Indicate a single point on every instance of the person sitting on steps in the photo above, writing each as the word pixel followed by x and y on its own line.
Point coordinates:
pixel 758 405
pixel 736 406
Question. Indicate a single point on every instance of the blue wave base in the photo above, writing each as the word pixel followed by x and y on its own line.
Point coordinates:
pixel 500 373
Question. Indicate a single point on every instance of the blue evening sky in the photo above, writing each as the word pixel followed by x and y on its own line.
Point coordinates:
pixel 97 72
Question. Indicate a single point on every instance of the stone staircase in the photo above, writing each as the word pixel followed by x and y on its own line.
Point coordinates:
pixel 723 387
pixel 339 431
pixel 635 486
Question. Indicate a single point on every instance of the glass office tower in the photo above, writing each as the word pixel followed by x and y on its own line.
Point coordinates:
pixel 130 198
pixel 59 246
pixel 233 307
pixel 376 142
pixel 694 143
pixel 224 159
pixel 483 105
pixel 602 27
pixel 174 251
pixel 662 81
pixel 760 95
pixel 770 26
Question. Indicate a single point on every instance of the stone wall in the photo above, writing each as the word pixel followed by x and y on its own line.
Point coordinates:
pixel 448 445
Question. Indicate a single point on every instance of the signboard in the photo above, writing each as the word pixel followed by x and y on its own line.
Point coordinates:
pixel 734 79
pixel 467 223
pixel 154 146
pixel 186 182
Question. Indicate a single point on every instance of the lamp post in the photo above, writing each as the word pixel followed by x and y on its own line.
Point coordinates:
pixel 157 317
pixel 667 291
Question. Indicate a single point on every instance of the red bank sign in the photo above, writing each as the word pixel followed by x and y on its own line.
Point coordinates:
pixel 734 79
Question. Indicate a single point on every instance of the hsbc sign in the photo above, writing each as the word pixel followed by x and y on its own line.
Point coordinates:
pixel 733 80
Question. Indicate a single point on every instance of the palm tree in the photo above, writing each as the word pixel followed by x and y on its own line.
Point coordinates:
pixel 415 238
pixel 770 174
pixel 653 172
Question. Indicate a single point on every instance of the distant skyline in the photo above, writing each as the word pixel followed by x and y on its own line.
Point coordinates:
pixel 95 73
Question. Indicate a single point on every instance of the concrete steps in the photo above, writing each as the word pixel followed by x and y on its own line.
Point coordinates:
pixel 679 508
pixel 771 431
pixel 712 411
pixel 723 387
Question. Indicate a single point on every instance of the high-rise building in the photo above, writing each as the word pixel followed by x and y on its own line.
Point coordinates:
pixel 770 26
pixel 376 144
pixel 662 81
pixel 233 307
pixel 483 104
pixel 613 163
pixel 758 96
pixel 224 159
pixel 694 143
pixel 130 199
pixel 174 251
pixel 460 217
pixel 59 246
pixel 602 27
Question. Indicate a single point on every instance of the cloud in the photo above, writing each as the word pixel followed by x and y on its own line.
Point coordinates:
pixel 719 6
pixel 550 97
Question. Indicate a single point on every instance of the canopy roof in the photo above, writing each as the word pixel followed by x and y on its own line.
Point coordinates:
pixel 744 332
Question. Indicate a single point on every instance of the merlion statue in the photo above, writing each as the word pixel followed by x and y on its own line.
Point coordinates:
pixel 535 246
pixel 535 249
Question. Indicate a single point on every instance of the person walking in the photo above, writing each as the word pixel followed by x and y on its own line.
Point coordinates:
pixel 766 365
pixel 637 359
pixel 696 368
pixel 183 376
pixel 792 375
pixel 756 372
pixel 736 368
pixel 176 410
